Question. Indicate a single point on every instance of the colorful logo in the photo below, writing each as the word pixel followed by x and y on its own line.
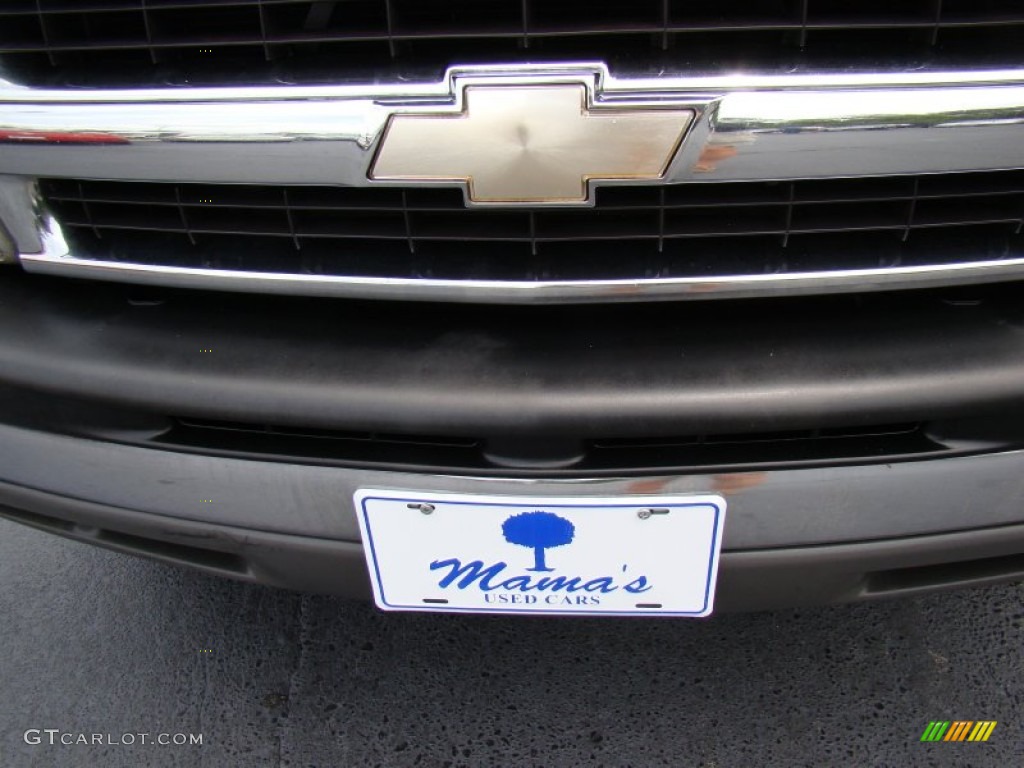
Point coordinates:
pixel 958 730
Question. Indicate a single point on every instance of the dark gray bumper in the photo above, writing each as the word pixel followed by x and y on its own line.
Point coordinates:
pixel 93 383
pixel 792 536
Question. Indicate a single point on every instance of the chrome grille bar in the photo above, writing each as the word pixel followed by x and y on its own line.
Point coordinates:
pixel 531 291
pixel 747 131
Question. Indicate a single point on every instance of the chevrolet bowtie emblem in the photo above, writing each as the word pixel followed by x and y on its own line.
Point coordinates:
pixel 530 144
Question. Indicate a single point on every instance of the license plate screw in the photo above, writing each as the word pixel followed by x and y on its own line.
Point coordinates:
pixel 645 514
pixel 426 509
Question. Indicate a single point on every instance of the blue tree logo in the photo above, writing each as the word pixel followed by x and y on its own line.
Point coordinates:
pixel 539 531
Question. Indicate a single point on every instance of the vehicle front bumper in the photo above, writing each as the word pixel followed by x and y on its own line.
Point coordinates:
pixel 792 536
pixel 796 532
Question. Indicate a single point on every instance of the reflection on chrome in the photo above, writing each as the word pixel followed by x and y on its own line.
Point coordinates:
pixel 56 260
pixel 775 128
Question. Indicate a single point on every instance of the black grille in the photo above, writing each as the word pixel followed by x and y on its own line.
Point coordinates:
pixel 690 230
pixel 188 41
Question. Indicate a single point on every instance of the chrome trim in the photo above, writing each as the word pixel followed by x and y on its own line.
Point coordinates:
pixel 398 89
pixel 55 260
pixel 20 214
pixel 756 128
pixel 7 255
pixel 805 135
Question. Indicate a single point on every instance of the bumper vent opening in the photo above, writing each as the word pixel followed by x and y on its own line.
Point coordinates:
pixel 959 574
pixel 197 557
pixel 829 445
pixel 288 443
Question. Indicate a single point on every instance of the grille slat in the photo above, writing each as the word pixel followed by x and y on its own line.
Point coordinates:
pixel 632 233
pixel 89 42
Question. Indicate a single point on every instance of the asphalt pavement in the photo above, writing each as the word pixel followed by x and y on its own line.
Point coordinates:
pixel 122 654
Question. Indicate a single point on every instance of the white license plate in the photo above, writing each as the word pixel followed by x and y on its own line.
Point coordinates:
pixel 610 556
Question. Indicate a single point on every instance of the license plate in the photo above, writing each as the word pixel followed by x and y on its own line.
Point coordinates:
pixel 606 556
